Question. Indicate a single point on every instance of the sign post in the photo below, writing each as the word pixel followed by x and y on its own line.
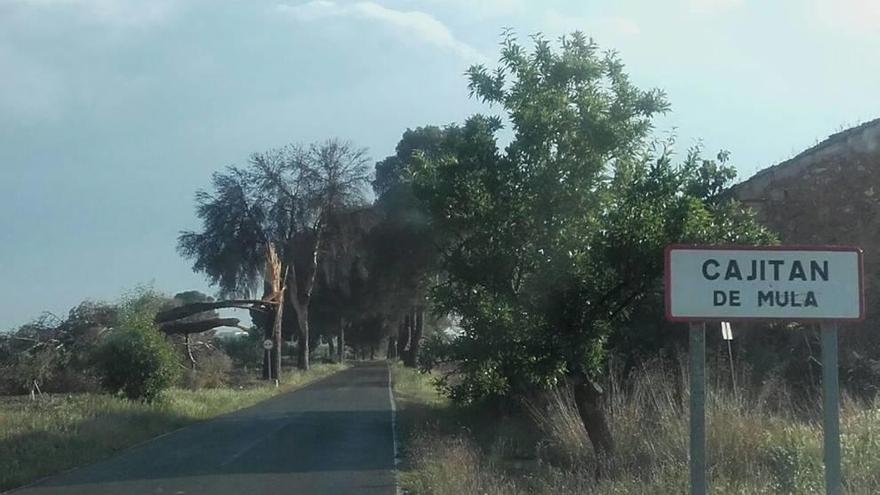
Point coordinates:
pixel 268 345
pixel 697 368
pixel 831 409
pixel 727 336
pixel 818 284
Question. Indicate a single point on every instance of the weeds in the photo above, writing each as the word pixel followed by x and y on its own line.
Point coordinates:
pixel 758 443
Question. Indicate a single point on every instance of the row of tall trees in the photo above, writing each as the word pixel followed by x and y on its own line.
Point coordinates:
pixel 542 248
pixel 297 220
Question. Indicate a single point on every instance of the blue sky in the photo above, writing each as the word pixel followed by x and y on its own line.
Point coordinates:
pixel 113 112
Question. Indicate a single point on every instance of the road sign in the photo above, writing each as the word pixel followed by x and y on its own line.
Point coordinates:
pixel 726 332
pixel 802 283
pixel 268 344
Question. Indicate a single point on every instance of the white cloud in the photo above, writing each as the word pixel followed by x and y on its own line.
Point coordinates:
pixel 417 24
pixel 482 9
pixel 712 7
pixel 133 13
pixel 849 17
pixel 554 24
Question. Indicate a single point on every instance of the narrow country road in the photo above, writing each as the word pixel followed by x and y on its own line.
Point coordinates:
pixel 334 436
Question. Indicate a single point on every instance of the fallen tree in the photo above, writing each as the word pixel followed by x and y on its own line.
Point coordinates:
pixel 186 310
pixel 188 327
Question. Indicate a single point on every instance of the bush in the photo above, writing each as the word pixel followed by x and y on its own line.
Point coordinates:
pixel 136 361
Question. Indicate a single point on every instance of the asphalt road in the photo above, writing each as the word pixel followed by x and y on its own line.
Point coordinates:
pixel 334 436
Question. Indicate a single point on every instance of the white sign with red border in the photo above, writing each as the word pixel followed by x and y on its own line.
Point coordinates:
pixel 803 283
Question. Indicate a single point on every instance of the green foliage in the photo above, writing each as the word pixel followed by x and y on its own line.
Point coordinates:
pixel 548 243
pixel 282 195
pixel 135 358
pixel 136 361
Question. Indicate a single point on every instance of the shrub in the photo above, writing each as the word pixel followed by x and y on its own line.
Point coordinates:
pixel 136 361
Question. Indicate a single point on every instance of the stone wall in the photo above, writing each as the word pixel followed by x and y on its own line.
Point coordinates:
pixel 829 194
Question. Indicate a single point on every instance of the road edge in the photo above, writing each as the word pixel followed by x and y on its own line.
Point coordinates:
pixel 396 450
pixel 301 386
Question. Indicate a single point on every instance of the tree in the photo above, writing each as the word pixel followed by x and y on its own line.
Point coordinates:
pixel 53 354
pixel 282 199
pixel 548 243
pixel 403 249
pixel 344 291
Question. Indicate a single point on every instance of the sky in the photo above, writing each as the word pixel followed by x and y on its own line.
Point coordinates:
pixel 114 112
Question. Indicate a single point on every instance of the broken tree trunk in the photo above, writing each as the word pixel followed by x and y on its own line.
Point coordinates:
pixel 273 293
pixel 190 309
pixel 187 327
pixel 189 352
pixel 276 337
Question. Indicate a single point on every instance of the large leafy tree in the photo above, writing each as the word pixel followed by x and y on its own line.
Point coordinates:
pixel 283 198
pixel 550 242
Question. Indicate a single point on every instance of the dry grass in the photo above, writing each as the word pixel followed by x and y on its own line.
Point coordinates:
pixel 758 444
pixel 58 432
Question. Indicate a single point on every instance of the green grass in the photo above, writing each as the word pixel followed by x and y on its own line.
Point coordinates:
pixel 55 433
pixel 754 448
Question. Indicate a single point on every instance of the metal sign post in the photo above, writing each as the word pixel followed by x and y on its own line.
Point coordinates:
pixel 830 409
pixel 268 345
pixel 790 283
pixel 697 448
pixel 727 335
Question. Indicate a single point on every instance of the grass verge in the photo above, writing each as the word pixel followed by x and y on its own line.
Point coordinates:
pixel 753 448
pixel 59 432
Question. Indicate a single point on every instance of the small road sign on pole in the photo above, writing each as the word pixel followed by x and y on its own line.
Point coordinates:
pixel 726 331
pixel 727 335
pixel 820 284
pixel 268 345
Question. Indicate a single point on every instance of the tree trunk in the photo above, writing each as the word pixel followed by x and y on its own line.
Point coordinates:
pixel 188 327
pixel 276 338
pixel 340 349
pixel 403 336
pixel 392 347
pixel 331 349
pixel 302 361
pixel 181 312
pixel 588 397
pixel 411 359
